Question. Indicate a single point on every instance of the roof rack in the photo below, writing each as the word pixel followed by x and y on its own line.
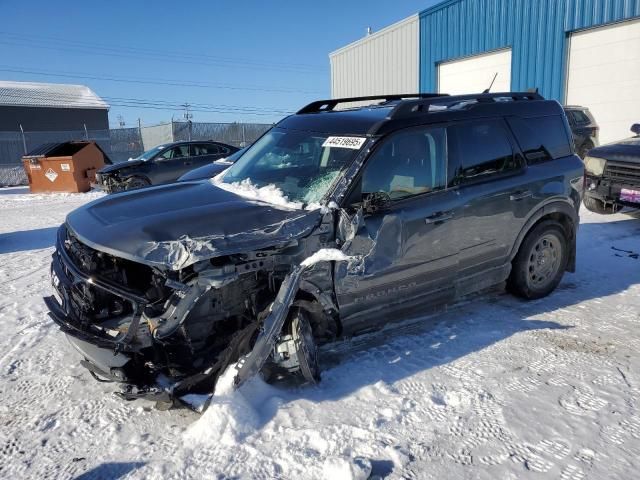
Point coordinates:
pixel 421 106
pixel 329 105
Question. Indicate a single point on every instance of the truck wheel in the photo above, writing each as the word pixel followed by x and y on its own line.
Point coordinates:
pixel 305 345
pixel 598 206
pixel 136 182
pixel 540 263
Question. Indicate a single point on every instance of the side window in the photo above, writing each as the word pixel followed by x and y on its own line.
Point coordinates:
pixel 579 117
pixel 480 149
pixel 200 149
pixel 541 138
pixel 408 163
pixel 175 152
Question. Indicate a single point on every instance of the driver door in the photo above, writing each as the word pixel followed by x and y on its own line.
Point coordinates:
pixel 407 250
pixel 170 164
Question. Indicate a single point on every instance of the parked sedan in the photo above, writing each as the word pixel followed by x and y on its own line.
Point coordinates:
pixel 212 169
pixel 613 175
pixel 162 164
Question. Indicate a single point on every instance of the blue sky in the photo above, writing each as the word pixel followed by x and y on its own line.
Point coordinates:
pixel 236 60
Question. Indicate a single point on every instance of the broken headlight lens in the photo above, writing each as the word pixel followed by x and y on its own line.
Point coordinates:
pixel 594 165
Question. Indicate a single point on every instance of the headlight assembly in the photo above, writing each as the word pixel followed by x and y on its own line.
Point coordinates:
pixel 594 165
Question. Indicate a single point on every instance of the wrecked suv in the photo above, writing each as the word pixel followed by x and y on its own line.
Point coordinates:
pixel 331 224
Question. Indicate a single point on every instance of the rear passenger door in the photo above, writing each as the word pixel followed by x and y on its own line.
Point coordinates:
pixel 490 176
pixel 203 154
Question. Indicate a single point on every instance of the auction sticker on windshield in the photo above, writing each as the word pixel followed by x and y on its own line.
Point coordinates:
pixel 353 143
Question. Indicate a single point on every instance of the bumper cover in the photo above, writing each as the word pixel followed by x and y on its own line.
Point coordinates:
pixel 608 190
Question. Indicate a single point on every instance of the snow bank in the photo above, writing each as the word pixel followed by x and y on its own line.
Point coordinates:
pixel 325 255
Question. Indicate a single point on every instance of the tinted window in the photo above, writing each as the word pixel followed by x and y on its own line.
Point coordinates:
pixel 200 149
pixel 175 152
pixel 482 149
pixel 408 163
pixel 541 138
pixel 579 117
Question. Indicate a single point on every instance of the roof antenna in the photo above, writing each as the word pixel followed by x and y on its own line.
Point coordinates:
pixel 491 85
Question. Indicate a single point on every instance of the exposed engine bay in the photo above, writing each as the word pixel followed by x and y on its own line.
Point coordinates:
pixel 165 333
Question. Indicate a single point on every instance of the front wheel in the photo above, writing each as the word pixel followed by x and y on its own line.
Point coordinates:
pixel 540 263
pixel 136 182
pixel 305 346
pixel 598 206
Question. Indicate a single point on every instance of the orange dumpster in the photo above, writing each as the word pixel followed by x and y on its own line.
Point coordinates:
pixel 63 167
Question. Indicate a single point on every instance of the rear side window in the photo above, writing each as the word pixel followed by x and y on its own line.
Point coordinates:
pixel 481 149
pixel 200 149
pixel 541 138
pixel 579 117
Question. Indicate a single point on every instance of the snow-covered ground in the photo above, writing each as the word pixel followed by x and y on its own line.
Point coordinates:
pixel 496 388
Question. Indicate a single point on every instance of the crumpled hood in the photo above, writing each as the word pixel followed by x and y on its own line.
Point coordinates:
pixel 627 150
pixel 120 166
pixel 173 226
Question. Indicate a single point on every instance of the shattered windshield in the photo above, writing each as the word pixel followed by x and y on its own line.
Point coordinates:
pixel 300 165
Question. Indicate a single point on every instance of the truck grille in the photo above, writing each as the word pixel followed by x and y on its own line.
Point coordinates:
pixel 623 172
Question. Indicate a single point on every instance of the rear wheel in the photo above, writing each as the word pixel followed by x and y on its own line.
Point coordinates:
pixel 137 182
pixel 598 206
pixel 540 262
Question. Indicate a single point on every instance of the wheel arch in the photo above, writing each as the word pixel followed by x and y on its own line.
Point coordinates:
pixel 560 212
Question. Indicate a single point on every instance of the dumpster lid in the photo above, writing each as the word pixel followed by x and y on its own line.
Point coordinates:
pixel 64 149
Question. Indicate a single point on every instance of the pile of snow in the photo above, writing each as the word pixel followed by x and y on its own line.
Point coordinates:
pixel 267 194
pixel 325 255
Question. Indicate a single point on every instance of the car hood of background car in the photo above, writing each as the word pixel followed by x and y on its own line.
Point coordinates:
pixel 120 166
pixel 173 226
pixel 623 151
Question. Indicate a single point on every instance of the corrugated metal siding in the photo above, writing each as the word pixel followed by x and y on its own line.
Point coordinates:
pixel 385 62
pixel 535 30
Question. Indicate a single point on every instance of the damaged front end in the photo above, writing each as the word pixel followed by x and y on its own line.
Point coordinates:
pixel 165 333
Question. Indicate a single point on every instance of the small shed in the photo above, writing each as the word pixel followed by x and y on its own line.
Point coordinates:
pixel 64 167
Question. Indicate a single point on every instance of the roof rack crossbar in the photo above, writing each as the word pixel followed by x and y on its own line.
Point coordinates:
pixel 328 105
pixel 421 106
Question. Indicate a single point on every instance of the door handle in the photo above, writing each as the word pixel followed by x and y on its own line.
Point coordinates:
pixel 520 195
pixel 439 217
pixel 188 163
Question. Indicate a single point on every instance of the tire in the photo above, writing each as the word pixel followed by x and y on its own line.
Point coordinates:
pixel 540 263
pixel 598 206
pixel 135 183
pixel 305 345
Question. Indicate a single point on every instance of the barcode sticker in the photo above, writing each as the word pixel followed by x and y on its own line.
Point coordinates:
pixel 354 143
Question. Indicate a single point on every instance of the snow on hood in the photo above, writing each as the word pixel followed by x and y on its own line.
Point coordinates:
pixel 270 194
pixel 267 194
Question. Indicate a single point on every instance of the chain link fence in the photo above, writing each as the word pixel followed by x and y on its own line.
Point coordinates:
pixel 121 143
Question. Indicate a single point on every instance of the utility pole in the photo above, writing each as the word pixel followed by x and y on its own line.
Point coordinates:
pixel 187 116
pixel 121 121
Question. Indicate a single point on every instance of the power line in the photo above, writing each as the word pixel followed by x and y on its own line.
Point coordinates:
pixel 82 49
pixel 151 104
pixel 155 52
pixel 167 82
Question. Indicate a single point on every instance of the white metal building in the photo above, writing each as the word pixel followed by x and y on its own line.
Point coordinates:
pixel 383 62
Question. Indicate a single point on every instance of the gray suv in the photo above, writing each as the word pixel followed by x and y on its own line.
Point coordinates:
pixel 333 223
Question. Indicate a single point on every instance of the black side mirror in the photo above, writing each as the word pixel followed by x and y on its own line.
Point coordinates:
pixel 635 128
pixel 375 201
